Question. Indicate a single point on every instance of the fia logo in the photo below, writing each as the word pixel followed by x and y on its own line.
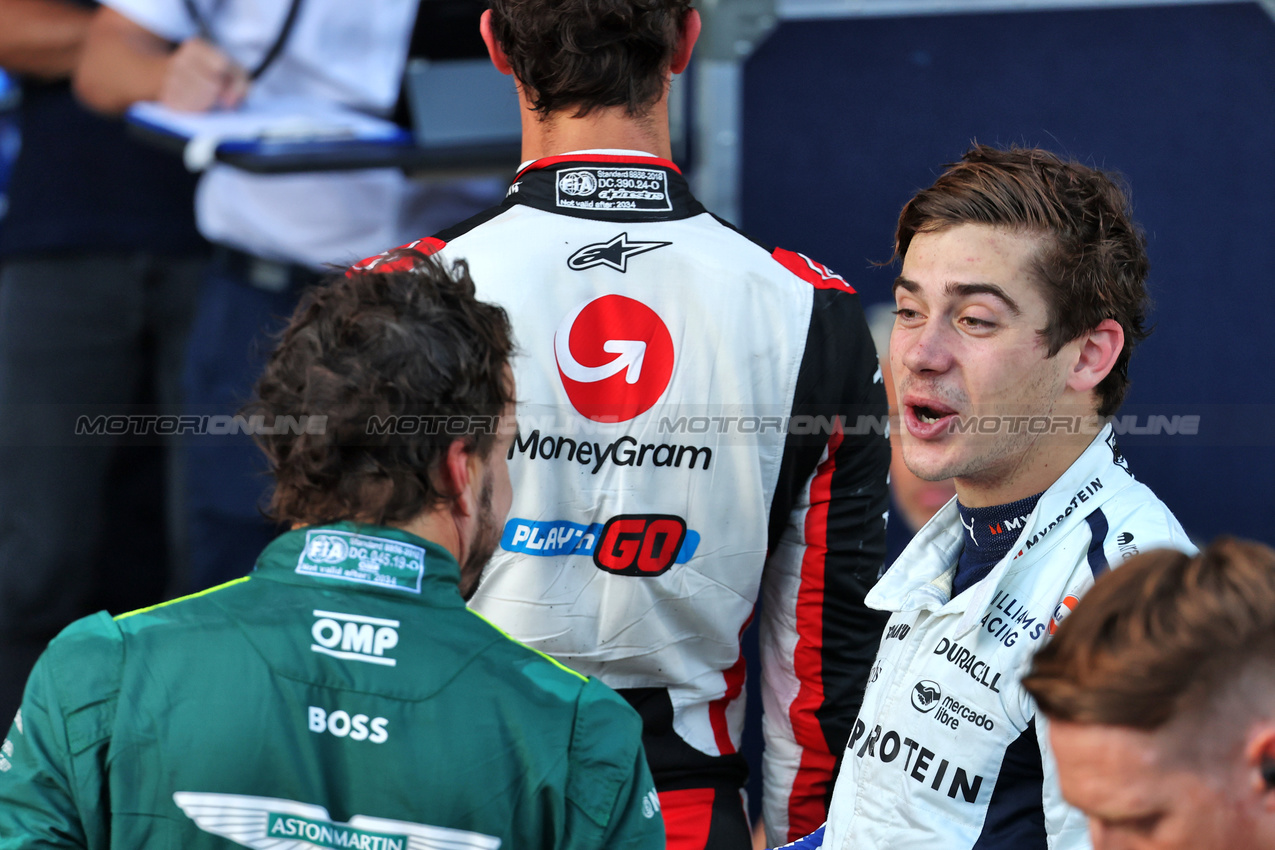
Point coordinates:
pixel 615 358
pixel 328 549
pixel 578 182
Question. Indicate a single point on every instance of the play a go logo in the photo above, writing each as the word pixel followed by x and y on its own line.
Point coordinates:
pixel 639 544
pixel 615 358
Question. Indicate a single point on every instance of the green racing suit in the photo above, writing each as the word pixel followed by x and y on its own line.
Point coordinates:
pixel 341 695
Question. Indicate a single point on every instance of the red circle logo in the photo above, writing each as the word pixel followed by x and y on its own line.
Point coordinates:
pixel 615 358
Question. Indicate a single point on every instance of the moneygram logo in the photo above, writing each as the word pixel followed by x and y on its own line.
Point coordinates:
pixel 615 358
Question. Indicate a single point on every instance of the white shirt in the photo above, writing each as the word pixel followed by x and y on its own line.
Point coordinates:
pixel 352 53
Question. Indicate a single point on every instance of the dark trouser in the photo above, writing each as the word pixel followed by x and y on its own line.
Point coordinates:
pixel 700 795
pixel 227 481
pixel 84 521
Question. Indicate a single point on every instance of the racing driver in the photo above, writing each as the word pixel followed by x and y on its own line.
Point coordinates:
pixel 701 426
pixel 1021 295
pixel 341 695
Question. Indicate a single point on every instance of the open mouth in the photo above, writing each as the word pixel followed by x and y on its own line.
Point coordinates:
pixel 929 415
pixel 928 419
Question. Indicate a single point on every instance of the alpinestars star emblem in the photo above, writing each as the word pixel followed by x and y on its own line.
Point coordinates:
pixel 613 254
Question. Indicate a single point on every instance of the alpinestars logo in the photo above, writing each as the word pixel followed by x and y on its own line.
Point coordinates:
pixel 263 822
pixel 614 254
pixel 615 358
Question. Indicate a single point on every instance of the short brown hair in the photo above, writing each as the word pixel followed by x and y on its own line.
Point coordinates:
pixel 590 54
pixel 370 349
pixel 1094 265
pixel 1160 637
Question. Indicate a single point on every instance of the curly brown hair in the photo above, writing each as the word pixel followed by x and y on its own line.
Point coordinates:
pixel 369 352
pixel 590 54
pixel 1094 265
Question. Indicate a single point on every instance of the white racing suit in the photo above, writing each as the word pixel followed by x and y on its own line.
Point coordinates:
pixel 700 426
pixel 945 716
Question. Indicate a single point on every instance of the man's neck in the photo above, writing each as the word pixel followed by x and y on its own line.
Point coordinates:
pixel 1035 472
pixel 612 127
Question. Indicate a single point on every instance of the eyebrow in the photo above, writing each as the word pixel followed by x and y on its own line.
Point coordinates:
pixel 964 290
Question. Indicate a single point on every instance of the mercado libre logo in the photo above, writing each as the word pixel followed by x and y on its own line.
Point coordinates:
pixel 615 358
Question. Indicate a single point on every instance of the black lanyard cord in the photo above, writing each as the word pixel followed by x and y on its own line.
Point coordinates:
pixel 275 49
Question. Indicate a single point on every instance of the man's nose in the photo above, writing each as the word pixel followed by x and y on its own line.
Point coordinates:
pixel 927 348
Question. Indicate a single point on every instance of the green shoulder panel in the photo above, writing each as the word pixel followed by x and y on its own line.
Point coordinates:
pixel 85 664
pixel 605 744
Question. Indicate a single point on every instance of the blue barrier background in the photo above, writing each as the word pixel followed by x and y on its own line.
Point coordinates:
pixel 845 119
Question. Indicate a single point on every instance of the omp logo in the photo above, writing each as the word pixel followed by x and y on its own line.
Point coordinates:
pixel 650 804
pixel 354 637
pixel 263 822
pixel 640 544
pixel 1124 538
pixel 615 358
pixel 358 727
pixel 328 549
pixel 577 183
pixel 614 254
pixel 1060 613
pixel 925 695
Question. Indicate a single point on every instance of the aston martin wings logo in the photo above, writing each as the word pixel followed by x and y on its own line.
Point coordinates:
pixel 613 254
pixel 267 822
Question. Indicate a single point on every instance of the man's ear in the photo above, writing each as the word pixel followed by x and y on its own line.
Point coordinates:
pixel 1097 355
pixel 1259 756
pixel 494 50
pixel 691 26
pixel 459 468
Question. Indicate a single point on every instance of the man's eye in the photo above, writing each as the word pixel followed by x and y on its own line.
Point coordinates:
pixel 1144 825
pixel 906 315
pixel 976 324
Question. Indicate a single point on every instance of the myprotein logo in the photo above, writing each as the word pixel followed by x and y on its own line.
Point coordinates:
pixel 918 761
pixel 354 637
pixel 615 358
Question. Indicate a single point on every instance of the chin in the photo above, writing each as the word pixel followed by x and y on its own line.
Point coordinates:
pixel 929 463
